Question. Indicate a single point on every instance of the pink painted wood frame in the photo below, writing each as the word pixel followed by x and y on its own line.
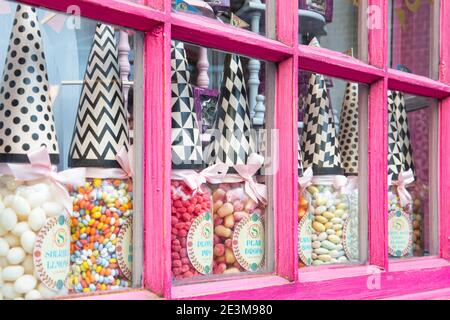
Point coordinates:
pixel 160 25
pixel 444 136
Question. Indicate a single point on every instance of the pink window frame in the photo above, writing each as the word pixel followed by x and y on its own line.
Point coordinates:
pixel 160 24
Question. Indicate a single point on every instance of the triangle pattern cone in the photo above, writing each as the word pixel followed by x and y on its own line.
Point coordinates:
pixel 186 142
pixel 403 132
pixel 26 116
pixel 101 127
pixel 348 133
pixel 232 141
pixel 395 157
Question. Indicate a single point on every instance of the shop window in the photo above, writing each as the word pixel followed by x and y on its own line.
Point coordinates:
pixel 413 36
pixel 335 23
pixel 253 15
pixel 221 133
pixel 412 174
pixel 70 216
pixel 332 171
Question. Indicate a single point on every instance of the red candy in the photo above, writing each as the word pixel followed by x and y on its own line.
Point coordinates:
pixel 186 207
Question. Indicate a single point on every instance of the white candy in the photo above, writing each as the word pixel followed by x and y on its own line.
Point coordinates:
pixel 21 207
pixel 36 219
pixel 25 284
pixel 8 200
pixel 4 247
pixel 52 209
pixel 36 199
pixel 15 255
pixel 8 219
pixel 33 295
pixel 9 292
pixel 2 231
pixel 20 228
pixel 12 273
pixel 27 241
pixel 12 240
pixel 28 264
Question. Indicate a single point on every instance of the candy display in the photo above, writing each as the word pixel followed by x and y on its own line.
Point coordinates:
pixel 192 231
pixel 101 223
pixel 331 210
pixel 101 209
pixel 27 210
pixel 238 230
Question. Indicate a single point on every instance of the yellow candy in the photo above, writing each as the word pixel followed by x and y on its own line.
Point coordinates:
pixel 85 265
pixel 97 183
pixel 86 290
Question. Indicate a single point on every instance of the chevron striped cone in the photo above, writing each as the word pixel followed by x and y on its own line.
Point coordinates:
pixel 101 127
pixel 186 142
pixel 233 141
pixel 404 136
pixel 26 116
pixel 320 150
pixel 395 156
pixel 348 133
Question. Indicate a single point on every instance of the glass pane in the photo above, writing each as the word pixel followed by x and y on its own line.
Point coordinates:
pixel 66 100
pixel 220 128
pixel 332 171
pixel 335 24
pixel 412 175
pixel 255 15
pixel 414 36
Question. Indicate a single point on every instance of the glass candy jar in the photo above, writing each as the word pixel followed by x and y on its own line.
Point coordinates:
pixel 238 230
pixel 192 231
pixel 34 239
pixel 400 225
pixel 101 229
pixel 329 211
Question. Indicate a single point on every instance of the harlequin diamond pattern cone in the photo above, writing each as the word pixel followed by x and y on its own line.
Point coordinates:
pixel 404 136
pixel 101 127
pixel 26 117
pixel 186 143
pixel 348 133
pixel 395 156
pixel 320 150
pixel 232 141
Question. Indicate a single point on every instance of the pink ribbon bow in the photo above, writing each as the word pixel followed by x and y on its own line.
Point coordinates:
pixel 246 172
pixel 40 167
pixel 126 170
pixel 306 180
pixel 213 174
pixel 404 179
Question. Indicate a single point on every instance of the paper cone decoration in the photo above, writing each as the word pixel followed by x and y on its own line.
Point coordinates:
pixel 232 141
pixel 395 156
pixel 186 142
pixel 320 148
pixel 101 127
pixel 348 133
pixel 26 117
pixel 300 157
pixel 404 137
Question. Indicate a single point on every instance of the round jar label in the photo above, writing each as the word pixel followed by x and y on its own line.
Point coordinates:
pixel 350 237
pixel 305 232
pixel 124 248
pixel 200 243
pixel 51 254
pixel 248 243
pixel 400 234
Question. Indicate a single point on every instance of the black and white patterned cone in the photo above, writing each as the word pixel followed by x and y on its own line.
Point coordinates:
pixel 395 156
pixel 320 146
pixel 232 142
pixel 101 127
pixel 404 136
pixel 300 156
pixel 348 132
pixel 26 115
pixel 186 142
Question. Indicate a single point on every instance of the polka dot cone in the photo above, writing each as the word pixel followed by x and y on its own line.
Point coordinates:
pixel 348 133
pixel 26 117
